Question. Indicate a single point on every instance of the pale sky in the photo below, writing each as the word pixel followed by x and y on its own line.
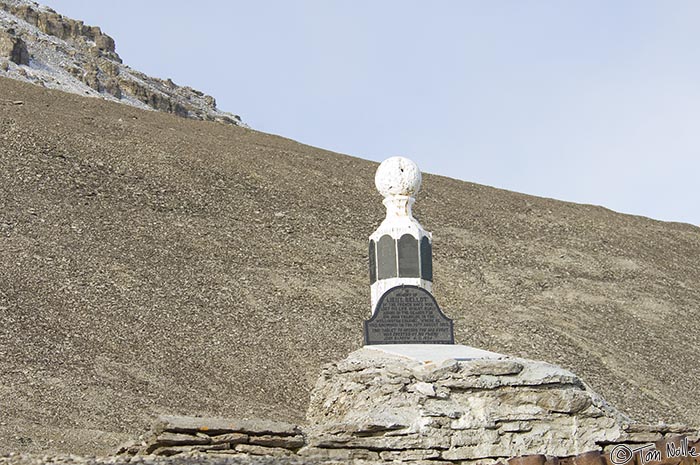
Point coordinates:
pixel 590 101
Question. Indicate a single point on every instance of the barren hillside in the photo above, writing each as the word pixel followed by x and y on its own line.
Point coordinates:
pixel 153 264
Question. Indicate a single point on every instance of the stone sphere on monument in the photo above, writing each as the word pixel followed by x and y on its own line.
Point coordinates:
pixel 398 176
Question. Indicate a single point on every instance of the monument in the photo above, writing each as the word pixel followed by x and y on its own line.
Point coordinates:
pixel 413 396
pixel 404 310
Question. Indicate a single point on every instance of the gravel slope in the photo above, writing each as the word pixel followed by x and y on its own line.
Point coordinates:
pixel 151 264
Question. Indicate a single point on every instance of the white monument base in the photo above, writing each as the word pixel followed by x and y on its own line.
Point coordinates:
pixel 436 353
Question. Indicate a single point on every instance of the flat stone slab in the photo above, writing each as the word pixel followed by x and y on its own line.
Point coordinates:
pixel 435 353
pixel 219 426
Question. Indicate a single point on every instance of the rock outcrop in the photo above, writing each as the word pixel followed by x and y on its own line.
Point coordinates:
pixel 40 46
pixel 13 48
pixel 54 24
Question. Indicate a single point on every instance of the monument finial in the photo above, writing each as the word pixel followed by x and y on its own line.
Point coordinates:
pixel 398 179
pixel 398 176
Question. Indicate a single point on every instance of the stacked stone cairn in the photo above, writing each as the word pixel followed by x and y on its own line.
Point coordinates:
pixel 375 407
pixel 380 406
pixel 173 435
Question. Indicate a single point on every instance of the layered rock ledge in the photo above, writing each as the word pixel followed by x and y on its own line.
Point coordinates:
pixel 173 435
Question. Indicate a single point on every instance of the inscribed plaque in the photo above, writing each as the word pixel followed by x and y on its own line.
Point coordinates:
pixel 408 315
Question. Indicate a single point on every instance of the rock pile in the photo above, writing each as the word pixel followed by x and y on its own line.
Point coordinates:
pixel 384 406
pixel 244 439
pixel 378 406
pixel 40 46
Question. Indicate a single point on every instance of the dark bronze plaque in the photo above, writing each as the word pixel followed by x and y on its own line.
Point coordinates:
pixel 386 257
pixel 408 257
pixel 408 315
pixel 426 259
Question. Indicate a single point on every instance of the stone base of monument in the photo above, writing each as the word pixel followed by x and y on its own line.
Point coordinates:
pixel 457 403
pixel 434 404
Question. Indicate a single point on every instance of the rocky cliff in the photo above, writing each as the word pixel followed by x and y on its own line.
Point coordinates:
pixel 40 46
